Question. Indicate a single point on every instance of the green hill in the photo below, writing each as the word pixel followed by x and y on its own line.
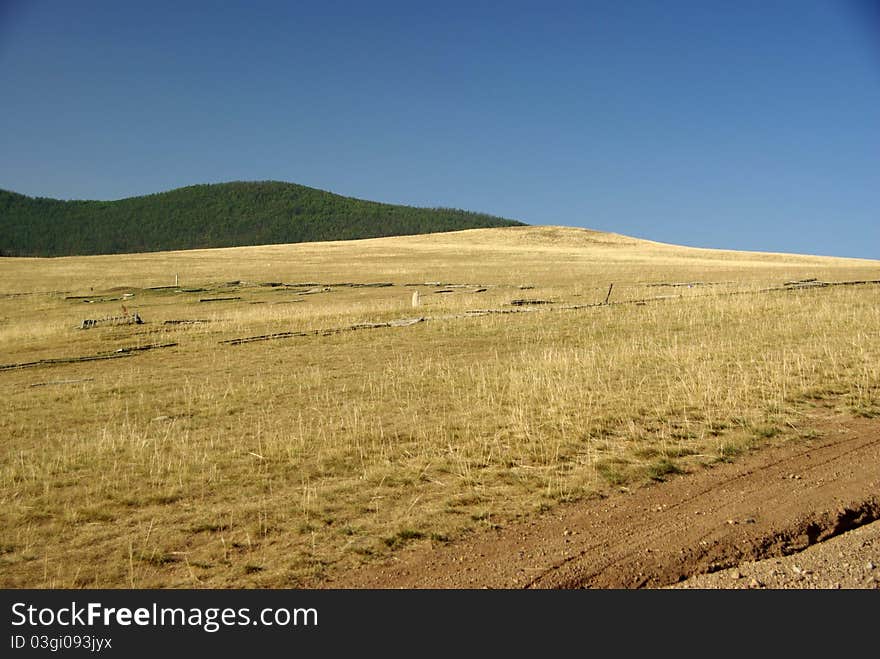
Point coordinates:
pixel 218 215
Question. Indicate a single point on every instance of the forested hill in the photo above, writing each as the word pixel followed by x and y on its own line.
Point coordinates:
pixel 216 215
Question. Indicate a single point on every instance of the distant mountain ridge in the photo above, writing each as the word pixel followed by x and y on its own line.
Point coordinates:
pixel 213 215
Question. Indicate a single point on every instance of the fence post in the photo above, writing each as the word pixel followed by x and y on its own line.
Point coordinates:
pixel 608 297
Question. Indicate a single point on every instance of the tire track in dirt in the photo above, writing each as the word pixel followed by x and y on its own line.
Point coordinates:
pixel 727 556
pixel 772 502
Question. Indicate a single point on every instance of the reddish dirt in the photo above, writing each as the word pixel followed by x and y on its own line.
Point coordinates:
pixel 769 503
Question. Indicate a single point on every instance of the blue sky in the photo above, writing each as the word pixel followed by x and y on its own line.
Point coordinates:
pixel 742 125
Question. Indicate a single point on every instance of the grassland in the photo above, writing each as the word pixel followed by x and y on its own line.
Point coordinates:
pixel 279 462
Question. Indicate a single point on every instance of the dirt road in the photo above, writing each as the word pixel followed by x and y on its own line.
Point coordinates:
pixel 769 504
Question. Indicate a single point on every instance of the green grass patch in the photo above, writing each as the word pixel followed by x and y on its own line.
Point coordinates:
pixel 402 537
pixel 659 470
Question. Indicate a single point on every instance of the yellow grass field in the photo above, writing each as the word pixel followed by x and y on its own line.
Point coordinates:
pixel 276 463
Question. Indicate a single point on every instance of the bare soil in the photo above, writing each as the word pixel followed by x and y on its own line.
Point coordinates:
pixel 743 517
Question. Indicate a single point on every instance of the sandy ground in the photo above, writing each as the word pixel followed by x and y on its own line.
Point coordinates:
pixel 850 560
pixel 799 515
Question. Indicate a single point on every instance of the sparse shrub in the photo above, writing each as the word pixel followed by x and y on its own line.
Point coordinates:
pixel 402 537
pixel 659 470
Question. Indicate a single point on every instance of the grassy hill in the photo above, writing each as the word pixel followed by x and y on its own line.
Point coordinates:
pixel 218 215
pixel 350 432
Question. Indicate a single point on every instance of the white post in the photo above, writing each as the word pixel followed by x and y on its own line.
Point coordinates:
pixel 176 279
pixel 415 299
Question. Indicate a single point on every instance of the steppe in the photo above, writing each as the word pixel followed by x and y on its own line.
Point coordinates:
pixel 574 408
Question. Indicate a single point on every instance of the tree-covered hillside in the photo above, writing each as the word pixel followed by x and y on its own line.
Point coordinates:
pixel 218 215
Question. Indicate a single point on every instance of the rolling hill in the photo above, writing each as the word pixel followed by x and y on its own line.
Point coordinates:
pixel 285 417
pixel 216 215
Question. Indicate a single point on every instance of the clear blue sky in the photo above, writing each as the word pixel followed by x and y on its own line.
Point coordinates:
pixel 752 124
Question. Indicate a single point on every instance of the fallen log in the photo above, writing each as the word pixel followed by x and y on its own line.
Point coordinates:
pixel 151 346
pixel 60 360
pixel 116 354
pixel 33 293
pixel 51 382
pixel 124 319
pixel 404 322
pixel 524 302
pixel 185 322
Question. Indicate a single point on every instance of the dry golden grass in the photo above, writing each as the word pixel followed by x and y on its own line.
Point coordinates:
pixel 276 463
